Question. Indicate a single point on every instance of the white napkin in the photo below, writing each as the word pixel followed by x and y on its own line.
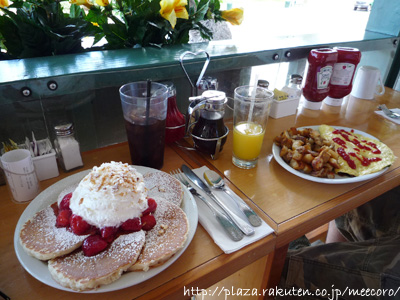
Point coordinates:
pixel 213 227
pixel 396 110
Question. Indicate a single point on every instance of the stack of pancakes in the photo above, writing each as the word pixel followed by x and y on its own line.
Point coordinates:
pixel 137 251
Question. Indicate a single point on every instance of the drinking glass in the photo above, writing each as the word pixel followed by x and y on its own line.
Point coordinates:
pixel 144 105
pixel 21 176
pixel 250 116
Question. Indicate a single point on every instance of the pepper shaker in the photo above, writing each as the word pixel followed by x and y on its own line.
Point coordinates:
pixel 67 147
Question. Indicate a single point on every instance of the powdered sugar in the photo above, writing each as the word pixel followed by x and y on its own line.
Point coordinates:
pixel 161 185
pixel 167 237
pixel 120 250
pixel 133 277
pixel 80 272
pixel 44 240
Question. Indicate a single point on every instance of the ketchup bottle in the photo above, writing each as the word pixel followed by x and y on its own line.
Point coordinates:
pixel 175 121
pixel 320 68
pixel 342 76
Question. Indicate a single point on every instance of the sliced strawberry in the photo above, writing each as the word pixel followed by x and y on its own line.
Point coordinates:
pixel 78 225
pixel 132 225
pixel 63 218
pixel 93 245
pixel 108 233
pixel 152 206
pixel 64 204
pixel 148 222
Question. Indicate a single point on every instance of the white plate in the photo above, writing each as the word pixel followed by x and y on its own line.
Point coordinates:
pixel 338 178
pixel 39 270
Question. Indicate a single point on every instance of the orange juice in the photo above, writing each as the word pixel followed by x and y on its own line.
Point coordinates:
pixel 247 140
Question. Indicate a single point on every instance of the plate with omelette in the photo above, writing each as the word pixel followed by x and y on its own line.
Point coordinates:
pixel 332 155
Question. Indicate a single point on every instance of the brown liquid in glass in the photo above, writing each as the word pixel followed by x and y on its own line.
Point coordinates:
pixel 146 143
pixel 209 125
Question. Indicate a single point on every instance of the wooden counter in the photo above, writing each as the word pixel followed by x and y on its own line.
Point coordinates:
pixel 292 206
pixel 200 266
pixel 296 206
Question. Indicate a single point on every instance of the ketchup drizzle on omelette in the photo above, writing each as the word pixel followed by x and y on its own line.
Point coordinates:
pixel 373 148
pixel 357 155
pixel 364 160
pixel 346 157
pixel 340 142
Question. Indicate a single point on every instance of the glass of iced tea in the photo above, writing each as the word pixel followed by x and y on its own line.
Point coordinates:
pixel 144 105
pixel 250 116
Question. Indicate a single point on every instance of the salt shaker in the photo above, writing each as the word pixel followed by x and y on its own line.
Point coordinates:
pixel 293 89
pixel 263 83
pixel 67 147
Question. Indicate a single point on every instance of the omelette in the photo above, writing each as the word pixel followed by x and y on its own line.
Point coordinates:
pixel 358 155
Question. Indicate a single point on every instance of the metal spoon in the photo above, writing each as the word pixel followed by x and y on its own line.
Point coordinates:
pixel 216 182
pixel 388 112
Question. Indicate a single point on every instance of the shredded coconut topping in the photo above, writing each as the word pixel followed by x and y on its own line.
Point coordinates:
pixel 109 195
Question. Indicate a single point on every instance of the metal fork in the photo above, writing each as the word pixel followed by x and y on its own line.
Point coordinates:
pixel 388 112
pixel 230 228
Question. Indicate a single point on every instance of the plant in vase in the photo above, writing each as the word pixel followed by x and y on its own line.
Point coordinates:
pixel 32 28
pixel 41 28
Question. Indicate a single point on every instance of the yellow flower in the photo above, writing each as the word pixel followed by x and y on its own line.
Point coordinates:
pixel 233 16
pixel 4 3
pixel 87 3
pixel 102 2
pixel 173 9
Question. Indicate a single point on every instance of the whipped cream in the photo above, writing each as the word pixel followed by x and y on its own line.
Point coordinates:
pixel 109 195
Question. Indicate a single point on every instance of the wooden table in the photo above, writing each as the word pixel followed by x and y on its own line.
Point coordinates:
pixel 295 206
pixel 200 266
pixel 290 205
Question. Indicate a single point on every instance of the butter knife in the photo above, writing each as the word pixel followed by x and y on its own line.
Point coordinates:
pixel 230 228
pixel 242 224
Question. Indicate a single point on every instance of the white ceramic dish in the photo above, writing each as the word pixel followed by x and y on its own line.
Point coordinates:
pixel 338 178
pixel 283 108
pixel 39 270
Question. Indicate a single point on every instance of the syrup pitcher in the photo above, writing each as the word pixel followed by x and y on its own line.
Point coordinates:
pixel 204 118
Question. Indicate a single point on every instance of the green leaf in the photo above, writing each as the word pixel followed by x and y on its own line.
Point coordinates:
pixel 95 15
pixel 116 36
pixel 76 11
pixel 10 37
pixel 202 9
pixel 205 33
pixel 98 37
pixel 34 40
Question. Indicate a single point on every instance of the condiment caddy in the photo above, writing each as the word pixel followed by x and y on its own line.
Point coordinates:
pixel 42 153
pixel 288 105
pixel 205 113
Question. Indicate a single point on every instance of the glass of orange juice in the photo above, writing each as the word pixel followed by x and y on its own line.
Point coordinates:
pixel 250 116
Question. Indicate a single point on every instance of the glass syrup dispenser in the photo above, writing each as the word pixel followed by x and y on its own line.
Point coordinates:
pixel 208 130
pixel 204 118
